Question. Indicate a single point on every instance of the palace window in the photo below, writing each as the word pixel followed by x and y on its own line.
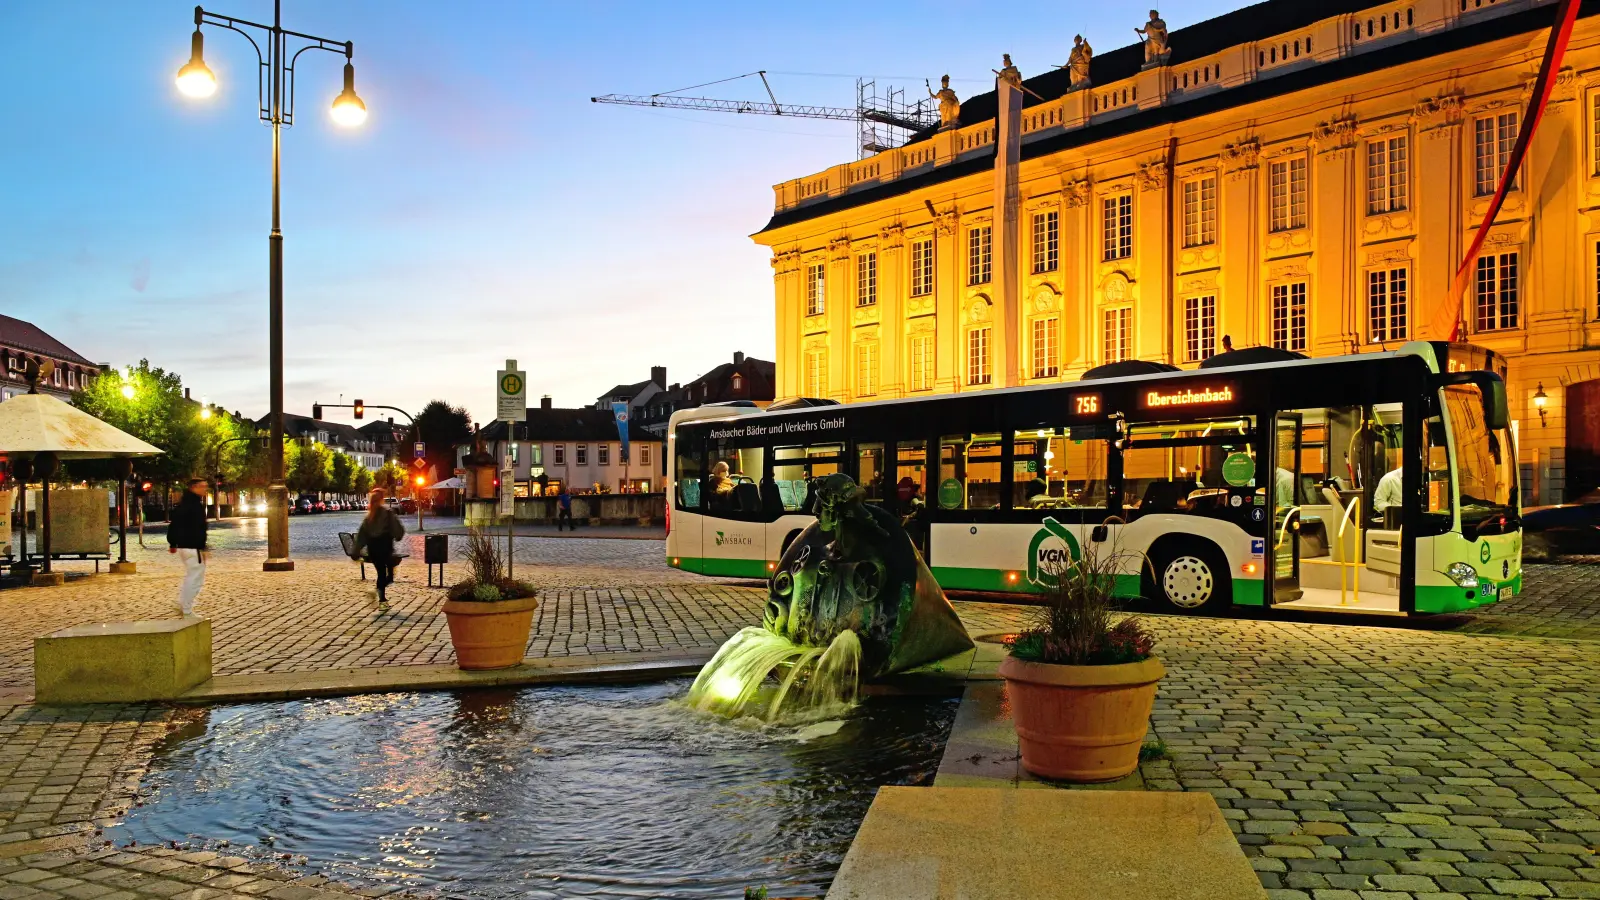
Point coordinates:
pixel 1496 299
pixel 816 372
pixel 1287 190
pixel 583 455
pixel 1199 328
pixel 1046 347
pixel 1387 175
pixel 921 362
pixel 978 355
pixel 1118 333
pixel 866 368
pixel 866 279
pixel 1200 211
pixel 922 267
pixel 1047 241
pixel 1594 128
pixel 980 254
pixel 816 289
pixel 1289 316
pixel 1492 140
pixel 1388 296
pixel 1117 226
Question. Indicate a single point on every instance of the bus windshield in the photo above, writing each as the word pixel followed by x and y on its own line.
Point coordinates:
pixel 1485 461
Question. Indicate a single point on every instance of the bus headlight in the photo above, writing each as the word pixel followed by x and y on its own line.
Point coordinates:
pixel 1462 574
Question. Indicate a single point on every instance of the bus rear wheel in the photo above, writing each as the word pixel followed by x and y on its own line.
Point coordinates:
pixel 1191 577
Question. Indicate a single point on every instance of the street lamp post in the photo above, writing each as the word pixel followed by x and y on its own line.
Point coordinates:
pixel 275 102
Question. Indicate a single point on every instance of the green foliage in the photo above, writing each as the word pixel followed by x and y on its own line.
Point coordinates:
pixel 486 581
pixel 342 473
pixel 755 893
pixel 392 478
pixel 158 414
pixel 1075 626
pixel 487 593
pixel 362 482
pixel 311 470
pixel 1156 749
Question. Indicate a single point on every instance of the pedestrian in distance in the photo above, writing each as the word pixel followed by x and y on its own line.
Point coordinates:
pixel 564 505
pixel 379 531
pixel 186 537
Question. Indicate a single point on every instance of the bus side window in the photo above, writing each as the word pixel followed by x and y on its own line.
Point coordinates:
pixel 969 471
pixel 1437 459
pixel 688 486
pixel 1050 470
pixel 870 472
pixel 789 477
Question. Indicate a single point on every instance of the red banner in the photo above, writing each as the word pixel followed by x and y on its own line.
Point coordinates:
pixel 1447 318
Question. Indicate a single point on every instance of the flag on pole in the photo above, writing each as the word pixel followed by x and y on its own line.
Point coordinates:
pixel 619 409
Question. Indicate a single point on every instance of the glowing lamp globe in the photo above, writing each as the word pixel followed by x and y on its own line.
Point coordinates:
pixel 195 79
pixel 348 110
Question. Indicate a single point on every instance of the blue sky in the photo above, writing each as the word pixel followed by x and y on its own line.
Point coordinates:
pixel 487 210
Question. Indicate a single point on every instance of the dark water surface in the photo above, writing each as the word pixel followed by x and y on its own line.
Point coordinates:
pixel 538 793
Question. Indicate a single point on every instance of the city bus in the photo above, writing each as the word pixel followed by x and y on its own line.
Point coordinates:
pixel 1378 483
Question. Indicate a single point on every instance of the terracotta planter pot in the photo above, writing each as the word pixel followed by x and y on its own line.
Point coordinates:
pixel 1081 723
pixel 490 635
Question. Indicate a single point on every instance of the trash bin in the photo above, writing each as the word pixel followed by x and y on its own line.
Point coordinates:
pixel 436 549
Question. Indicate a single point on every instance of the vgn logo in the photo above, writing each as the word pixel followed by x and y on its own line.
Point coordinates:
pixel 1051 552
pixel 735 539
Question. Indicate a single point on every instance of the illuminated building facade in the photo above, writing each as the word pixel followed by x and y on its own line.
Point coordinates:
pixel 1300 175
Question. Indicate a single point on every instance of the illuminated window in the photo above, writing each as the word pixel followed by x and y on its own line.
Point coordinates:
pixel 1046 347
pixel 922 267
pixel 1496 299
pixel 1387 175
pixel 866 279
pixel 1047 241
pixel 1387 304
pixel 866 368
pixel 921 362
pixel 816 372
pixel 816 289
pixel 1287 190
pixel 1199 328
pixel 1492 140
pixel 1289 316
pixel 1200 211
pixel 1116 222
pixel 978 355
pixel 980 254
pixel 1118 325
pixel 1594 128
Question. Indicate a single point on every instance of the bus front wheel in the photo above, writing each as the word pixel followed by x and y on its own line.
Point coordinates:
pixel 1190 577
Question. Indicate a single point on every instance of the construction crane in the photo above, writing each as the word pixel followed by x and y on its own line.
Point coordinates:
pixel 883 118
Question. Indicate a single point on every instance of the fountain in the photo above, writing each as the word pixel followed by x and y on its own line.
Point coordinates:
pixel 850 597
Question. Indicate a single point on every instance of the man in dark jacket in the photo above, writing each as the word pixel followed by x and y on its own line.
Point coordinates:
pixel 186 535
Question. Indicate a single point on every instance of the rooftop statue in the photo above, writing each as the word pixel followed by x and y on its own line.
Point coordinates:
pixel 1078 63
pixel 949 104
pixel 1154 33
pixel 1009 73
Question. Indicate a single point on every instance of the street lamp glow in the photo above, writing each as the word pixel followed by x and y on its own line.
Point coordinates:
pixel 195 79
pixel 348 110
pixel 127 391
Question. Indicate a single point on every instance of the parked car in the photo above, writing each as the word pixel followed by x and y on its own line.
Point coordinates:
pixel 408 506
pixel 334 506
pixel 1569 528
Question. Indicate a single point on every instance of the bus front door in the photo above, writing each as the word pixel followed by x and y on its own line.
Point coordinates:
pixel 1283 541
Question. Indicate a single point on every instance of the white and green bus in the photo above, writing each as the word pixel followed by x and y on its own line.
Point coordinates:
pixel 1377 483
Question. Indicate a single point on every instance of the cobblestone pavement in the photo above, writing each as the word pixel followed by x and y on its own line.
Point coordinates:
pixel 1558 600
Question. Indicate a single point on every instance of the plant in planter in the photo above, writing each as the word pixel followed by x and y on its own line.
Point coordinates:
pixel 490 615
pixel 1082 683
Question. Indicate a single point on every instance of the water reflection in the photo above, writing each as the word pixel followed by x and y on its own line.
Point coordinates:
pixel 541 793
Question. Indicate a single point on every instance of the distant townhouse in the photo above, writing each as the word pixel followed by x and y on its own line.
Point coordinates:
pixel 745 379
pixel 577 448
pixel 338 436
pixel 387 439
pixel 21 342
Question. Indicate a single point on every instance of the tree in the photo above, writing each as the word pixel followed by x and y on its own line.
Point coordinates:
pixel 391 478
pixel 311 471
pixel 159 414
pixel 362 483
pixel 342 473
pixel 441 427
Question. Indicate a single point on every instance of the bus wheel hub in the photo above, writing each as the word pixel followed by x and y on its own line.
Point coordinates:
pixel 1188 582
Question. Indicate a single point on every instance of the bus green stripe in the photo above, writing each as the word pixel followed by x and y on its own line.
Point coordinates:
pixel 728 568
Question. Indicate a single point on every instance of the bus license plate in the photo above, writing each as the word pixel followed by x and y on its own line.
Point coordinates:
pixel 1505 593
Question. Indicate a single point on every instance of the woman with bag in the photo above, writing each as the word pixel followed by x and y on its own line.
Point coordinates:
pixel 378 533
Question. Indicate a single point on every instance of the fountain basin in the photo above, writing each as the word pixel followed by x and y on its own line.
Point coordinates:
pixel 549 792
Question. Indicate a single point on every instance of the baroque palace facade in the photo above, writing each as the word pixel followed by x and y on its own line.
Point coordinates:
pixel 1301 175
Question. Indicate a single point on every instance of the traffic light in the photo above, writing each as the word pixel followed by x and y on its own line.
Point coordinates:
pixel 143 487
pixel 361 409
pixel 420 480
pixel 316 410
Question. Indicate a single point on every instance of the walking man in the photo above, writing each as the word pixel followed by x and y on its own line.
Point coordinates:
pixel 186 536
pixel 564 501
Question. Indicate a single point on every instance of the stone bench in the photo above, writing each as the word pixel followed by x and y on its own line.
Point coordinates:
pixel 936 843
pixel 122 662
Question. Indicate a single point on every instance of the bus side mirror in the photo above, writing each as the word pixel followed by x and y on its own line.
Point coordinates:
pixel 1099 534
pixel 1496 413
